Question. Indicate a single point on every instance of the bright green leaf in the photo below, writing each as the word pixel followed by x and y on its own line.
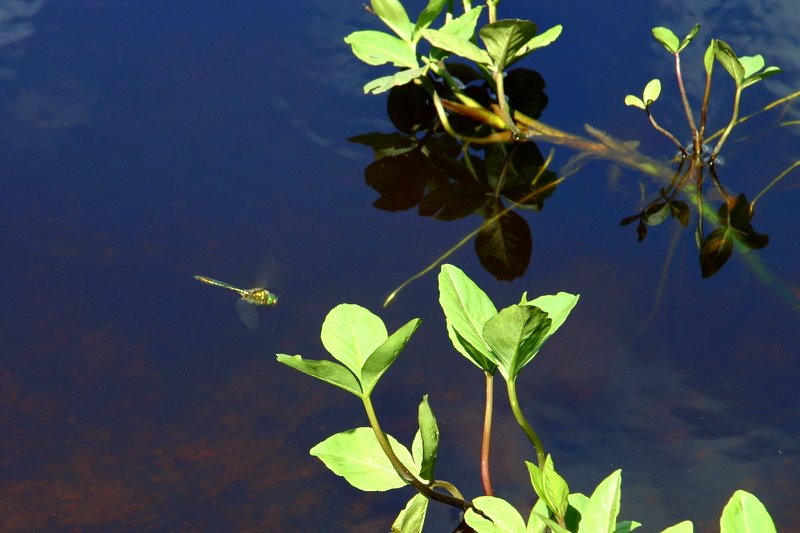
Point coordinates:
pixel 412 517
pixel 727 58
pixel 686 40
pixel 535 522
pixel 751 64
pixel 651 92
pixel 351 333
pixel 384 83
pixel 634 101
pixel 600 514
pixel 552 524
pixel 463 26
pixel 327 371
pixel 755 78
pixel 539 41
pixel 466 309
pixel 428 15
pixel 456 45
pixel 504 38
pixel 383 357
pixel 708 57
pixel 744 513
pixel 356 456
pixel 378 48
pixel 626 526
pixel 667 39
pixel 684 527
pixel 394 15
pixel 557 306
pixel 505 519
pixel 429 438
pixel 549 486
pixel 514 335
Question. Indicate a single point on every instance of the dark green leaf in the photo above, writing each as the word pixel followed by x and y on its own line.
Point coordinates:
pixel 327 371
pixel 504 245
pixel 515 335
pixel 382 358
pixel 504 38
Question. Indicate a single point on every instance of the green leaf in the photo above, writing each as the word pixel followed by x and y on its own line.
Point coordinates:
pixel 651 91
pixel 626 526
pixel 549 486
pixel 429 440
pixel 327 371
pixel 382 358
pixel 463 26
pixel 539 41
pixel 466 309
pixel 504 518
pixel 456 45
pixel 356 456
pixel 557 306
pixel 686 40
pixel 394 15
pixel 535 522
pixel 514 335
pixel 683 527
pixel 384 83
pixel 428 15
pixel 743 513
pixel 708 57
pixel 412 517
pixel 755 78
pixel 600 514
pixel 727 58
pixel 667 39
pixel 504 38
pixel 378 48
pixel 634 101
pixel 351 333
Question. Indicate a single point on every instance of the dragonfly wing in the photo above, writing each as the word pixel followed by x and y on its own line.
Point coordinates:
pixel 248 313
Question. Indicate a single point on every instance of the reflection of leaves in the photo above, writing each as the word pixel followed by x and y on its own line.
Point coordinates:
pixel 734 217
pixel 399 179
pixel 504 244
pixel 452 201
pixel 680 211
pixel 656 213
pixel 409 108
pixel 525 91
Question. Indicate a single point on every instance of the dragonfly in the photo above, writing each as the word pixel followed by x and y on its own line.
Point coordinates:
pixel 250 298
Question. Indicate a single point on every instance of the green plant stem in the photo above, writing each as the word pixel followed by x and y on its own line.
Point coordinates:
pixel 773 182
pixel 492 9
pixel 523 423
pixel 404 473
pixel 665 132
pixel 486 441
pixel 737 96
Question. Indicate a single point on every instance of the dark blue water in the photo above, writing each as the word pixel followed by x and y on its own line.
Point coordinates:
pixel 146 142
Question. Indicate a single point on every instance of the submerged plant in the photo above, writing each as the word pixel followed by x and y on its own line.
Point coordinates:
pixel 505 341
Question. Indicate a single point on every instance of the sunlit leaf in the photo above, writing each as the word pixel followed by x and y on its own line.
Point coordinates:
pixel 683 527
pixel 686 40
pixel 456 45
pixel 504 245
pixel 504 38
pixel 466 309
pixel 515 335
pixel 715 251
pixel 626 526
pixel 545 38
pixel 327 371
pixel 356 456
pixel 634 101
pixel 378 48
pixel 744 512
pixel 549 486
pixel 504 518
pixel 412 518
pixel 384 83
pixel 351 333
pixel 382 358
pixel 535 522
pixel 600 514
pixel 394 15
pixel 651 91
pixel 708 57
pixel 428 15
pixel 667 39
pixel 464 26
pixel 557 306
pixel 429 437
pixel 727 58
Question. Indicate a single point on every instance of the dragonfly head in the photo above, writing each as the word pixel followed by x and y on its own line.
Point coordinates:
pixel 260 297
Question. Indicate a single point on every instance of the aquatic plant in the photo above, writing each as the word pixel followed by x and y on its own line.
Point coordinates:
pixel 503 341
